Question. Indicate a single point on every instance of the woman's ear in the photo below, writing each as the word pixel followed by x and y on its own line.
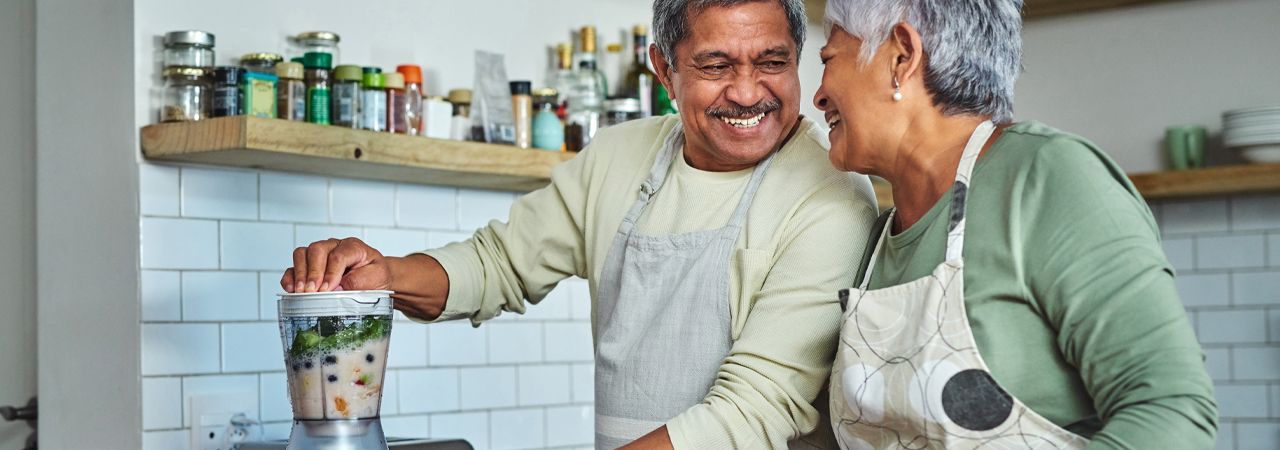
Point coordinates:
pixel 907 52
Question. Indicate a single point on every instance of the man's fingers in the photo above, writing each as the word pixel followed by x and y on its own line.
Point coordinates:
pixel 317 256
pixel 347 255
pixel 286 282
pixel 298 270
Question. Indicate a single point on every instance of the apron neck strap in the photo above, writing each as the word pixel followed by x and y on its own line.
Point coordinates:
pixel 959 195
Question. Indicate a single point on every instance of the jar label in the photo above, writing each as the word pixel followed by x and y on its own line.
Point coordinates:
pixel 318 105
pixel 260 98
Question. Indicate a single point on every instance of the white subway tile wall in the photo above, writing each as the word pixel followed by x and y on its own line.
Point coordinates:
pixel 215 243
pixel 1227 279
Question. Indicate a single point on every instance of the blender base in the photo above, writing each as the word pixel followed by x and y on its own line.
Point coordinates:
pixel 356 434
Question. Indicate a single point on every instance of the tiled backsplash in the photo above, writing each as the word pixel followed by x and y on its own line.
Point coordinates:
pixel 1227 254
pixel 215 241
pixel 214 244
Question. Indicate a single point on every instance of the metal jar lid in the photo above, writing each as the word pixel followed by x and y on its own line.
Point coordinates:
pixel 184 72
pixel 624 105
pixel 273 58
pixel 317 36
pixel 189 37
pixel 460 96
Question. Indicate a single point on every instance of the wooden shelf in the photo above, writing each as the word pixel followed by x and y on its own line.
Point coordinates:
pixel 1224 180
pixel 283 145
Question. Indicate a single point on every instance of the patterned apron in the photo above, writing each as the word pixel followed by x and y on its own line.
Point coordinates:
pixel 662 314
pixel 907 371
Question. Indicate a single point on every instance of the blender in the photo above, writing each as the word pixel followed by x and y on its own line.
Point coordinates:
pixel 335 351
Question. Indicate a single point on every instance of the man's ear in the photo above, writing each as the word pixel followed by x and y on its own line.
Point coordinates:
pixel 662 68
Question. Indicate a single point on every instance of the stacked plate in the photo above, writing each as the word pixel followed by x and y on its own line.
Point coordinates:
pixel 1255 131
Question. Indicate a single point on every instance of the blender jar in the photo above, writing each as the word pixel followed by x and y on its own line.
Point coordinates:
pixel 335 351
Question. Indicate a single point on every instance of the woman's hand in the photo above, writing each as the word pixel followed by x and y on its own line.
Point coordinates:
pixel 333 264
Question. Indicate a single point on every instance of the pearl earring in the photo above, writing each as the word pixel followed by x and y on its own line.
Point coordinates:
pixel 897 92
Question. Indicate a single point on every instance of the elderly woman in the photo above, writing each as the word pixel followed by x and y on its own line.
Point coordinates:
pixel 1017 295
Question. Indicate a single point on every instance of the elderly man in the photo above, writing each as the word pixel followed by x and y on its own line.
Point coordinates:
pixel 714 243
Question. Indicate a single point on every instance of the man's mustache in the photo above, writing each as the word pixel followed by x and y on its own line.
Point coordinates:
pixel 734 110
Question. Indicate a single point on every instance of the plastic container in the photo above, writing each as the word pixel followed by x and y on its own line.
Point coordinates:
pixel 345 110
pixel 186 95
pixel 190 48
pixel 291 92
pixel 396 103
pixel 413 98
pixel 335 352
pixel 227 98
pixel 460 126
pixel 373 100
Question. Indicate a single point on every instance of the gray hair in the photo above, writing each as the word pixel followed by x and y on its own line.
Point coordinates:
pixel 671 21
pixel 972 48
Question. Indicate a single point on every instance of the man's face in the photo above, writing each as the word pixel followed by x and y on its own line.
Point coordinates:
pixel 736 82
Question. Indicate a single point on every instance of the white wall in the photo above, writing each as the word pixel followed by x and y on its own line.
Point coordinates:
pixel 17 222
pixel 1121 76
pixel 87 217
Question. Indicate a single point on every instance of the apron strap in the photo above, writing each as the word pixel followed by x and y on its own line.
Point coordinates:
pixel 671 146
pixel 744 203
pixel 960 192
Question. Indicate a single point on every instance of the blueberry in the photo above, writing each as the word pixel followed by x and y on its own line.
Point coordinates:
pixel 296 367
pixel 333 378
pixel 368 357
pixel 308 365
pixel 331 359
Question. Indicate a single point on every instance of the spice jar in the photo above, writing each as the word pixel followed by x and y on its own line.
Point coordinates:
pixel 318 42
pixel 460 126
pixel 227 98
pixel 522 112
pixel 291 92
pixel 373 100
pixel 186 93
pixel 396 102
pixel 261 62
pixel 317 76
pixel 345 110
pixel 188 49
pixel 620 110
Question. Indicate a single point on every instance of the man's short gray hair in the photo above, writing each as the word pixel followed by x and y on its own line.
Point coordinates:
pixel 972 48
pixel 671 21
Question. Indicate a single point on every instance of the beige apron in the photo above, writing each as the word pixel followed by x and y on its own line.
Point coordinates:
pixel 662 313
pixel 907 371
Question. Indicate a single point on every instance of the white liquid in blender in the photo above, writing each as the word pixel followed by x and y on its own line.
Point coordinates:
pixel 344 382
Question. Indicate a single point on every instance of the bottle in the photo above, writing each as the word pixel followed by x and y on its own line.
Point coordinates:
pixel 345 110
pixel 548 130
pixel 561 77
pixel 413 98
pixel 586 94
pixel 587 55
pixel 227 98
pixel 522 112
pixel 613 65
pixel 460 128
pixel 396 102
pixel 639 80
pixel 318 66
pixel 373 101
pixel 291 92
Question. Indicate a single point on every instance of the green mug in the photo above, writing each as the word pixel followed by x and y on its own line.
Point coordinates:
pixel 1185 145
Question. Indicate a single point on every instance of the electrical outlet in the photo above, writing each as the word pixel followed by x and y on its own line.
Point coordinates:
pixel 211 419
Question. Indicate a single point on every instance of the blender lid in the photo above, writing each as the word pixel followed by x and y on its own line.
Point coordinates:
pixel 336 303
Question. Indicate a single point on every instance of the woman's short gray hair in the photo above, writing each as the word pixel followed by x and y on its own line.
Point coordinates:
pixel 671 21
pixel 972 48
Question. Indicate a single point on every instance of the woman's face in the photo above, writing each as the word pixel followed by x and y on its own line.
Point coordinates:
pixel 858 101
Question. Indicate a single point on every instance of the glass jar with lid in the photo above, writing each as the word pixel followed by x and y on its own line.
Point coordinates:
pixel 317 41
pixel 261 62
pixel 186 95
pixel 620 110
pixel 190 48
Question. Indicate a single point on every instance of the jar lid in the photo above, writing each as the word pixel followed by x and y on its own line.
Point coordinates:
pixel 183 71
pixel 227 74
pixel 412 73
pixel 520 87
pixel 372 79
pixel 273 58
pixel 317 36
pixel 368 69
pixel 336 303
pixel 393 80
pixel 347 72
pixel 289 70
pixel 546 92
pixel 460 96
pixel 317 60
pixel 189 37
pixel 625 105
pixel 613 47
pixel 640 30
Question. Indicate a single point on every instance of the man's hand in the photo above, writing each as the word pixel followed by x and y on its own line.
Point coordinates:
pixel 332 264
